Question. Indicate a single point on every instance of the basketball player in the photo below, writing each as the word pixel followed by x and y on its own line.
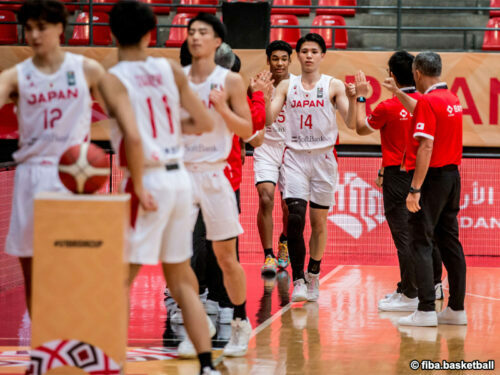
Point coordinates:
pixel 309 162
pixel 267 165
pixel 51 90
pixel 224 93
pixel 150 91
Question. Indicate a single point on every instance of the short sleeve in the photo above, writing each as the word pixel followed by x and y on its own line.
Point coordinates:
pixel 378 117
pixel 424 120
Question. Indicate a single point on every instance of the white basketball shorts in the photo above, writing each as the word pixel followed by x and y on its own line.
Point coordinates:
pixel 164 235
pixel 311 175
pixel 267 162
pixel 213 193
pixel 29 180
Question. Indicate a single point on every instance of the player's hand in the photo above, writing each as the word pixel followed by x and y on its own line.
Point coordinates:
pixel 390 84
pixel 379 181
pixel 262 82
pixel 146 200
pixel 218 98
pixel 412 202
pixel 350 90
pixel 362 85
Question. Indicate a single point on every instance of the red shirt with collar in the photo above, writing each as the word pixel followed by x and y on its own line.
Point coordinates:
pixel 437 116
pixel 394 123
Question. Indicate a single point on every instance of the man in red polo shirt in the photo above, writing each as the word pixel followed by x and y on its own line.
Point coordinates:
pixel 394 122
pixel 433 154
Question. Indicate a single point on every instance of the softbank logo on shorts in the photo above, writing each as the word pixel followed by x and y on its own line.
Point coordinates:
pixel 359 207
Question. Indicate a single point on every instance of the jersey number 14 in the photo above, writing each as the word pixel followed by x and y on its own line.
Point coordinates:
pixel 307 122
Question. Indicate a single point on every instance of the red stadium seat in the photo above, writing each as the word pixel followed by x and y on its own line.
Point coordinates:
pixel 211 10
pixel 288 35
pixel 491 41
pixel 101 34
pixel 296 11
pixel 100 8
pixel 179 34
pixel 8 32
pixel 494 4
pixel 336 3
pixel 157 9
pixel 12 7
pixel 327 34
pixel 154 33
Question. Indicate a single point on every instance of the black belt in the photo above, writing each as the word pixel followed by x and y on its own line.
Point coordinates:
pixel 172 167
pixel 446 168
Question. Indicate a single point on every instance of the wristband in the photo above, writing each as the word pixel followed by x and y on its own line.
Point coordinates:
pixel 361 99
pixel 414 190
pixel 380 174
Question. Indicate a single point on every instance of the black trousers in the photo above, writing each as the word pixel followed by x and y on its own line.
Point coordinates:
pixel 395 190
pixel 440 204
pixel 204 263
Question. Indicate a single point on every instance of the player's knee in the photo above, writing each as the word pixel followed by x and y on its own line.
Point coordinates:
pixel 296 216
pixel 226 262
pixel 266 200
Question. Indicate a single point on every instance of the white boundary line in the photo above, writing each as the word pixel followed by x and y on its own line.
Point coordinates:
pixel 285 308
pixel 478 296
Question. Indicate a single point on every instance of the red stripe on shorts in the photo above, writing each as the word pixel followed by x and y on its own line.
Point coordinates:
pixel 134 202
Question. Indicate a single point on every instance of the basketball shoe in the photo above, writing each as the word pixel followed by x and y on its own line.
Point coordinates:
pixel 186 348
pixel 312 286
pixel 450 316
pixel 270 266
pixel 299 291
pixel 283 257
pixel 420 319
pixel 240 335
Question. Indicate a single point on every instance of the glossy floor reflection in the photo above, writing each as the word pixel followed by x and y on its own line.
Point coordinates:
pixel 342 333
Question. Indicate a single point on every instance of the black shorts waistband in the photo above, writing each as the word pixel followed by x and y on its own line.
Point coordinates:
pixel 172 167
pixel 394 168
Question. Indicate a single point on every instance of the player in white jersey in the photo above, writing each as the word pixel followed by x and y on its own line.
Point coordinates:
pixel 147 93
pixel 224 93
pixel 309 163
pixel 51 91
pixel 268 159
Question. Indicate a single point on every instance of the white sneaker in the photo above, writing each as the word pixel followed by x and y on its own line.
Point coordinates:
pixel 388 298
pixel 209 371
pixel 240 335
pixel 186 348
pixel 225 315
pixel 312 286
pixel 420 319
pixel 439 291
pixel 450 316
pixel 299 291
pixel 176 316
pixel 399 303
pixel 212 307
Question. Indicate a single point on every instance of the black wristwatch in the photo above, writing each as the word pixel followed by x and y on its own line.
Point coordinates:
pixel 361 99
pixel 414 191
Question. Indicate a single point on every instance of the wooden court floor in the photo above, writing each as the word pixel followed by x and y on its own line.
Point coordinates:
pixel 343 333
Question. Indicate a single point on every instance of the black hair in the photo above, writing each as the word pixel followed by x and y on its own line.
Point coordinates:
pixel 400 65
pixel 185 55
pixel 51 11
pixel 236 65
pixel 311 37
pixel 428 63
pixel 217 25
pixel 278 45
pixel 130 20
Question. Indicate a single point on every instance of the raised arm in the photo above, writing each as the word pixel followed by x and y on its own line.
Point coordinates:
pixel 338 89
pixel 237 117
pixel 200 120
pixel 8 85
pixel 273 107
pixel 117 102
pixel 407 101
pixel 362 86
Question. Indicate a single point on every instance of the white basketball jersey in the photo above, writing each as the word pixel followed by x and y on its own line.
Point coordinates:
pixel 213 146
pixel 155 99
pixel 53 110
pixel 310 115
pixel 276 131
